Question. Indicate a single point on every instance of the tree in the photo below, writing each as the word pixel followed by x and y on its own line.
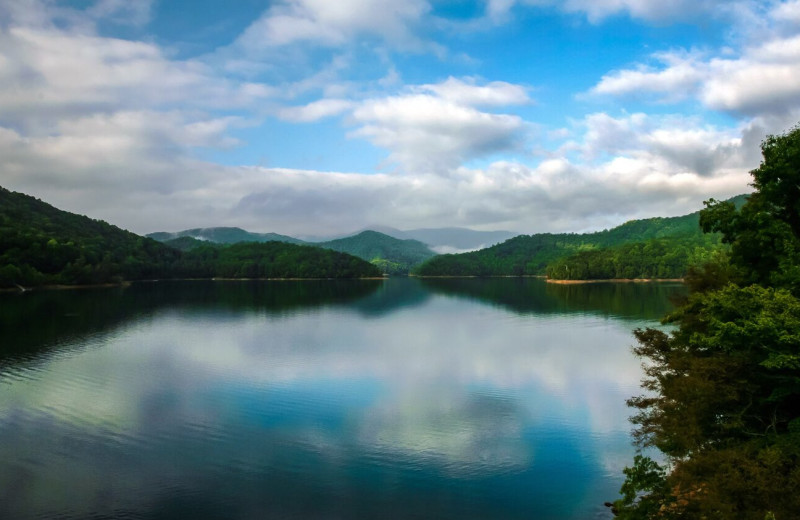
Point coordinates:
pixel 723 401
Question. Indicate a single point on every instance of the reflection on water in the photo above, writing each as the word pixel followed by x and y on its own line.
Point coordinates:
pixel 533 296
pixel 396 399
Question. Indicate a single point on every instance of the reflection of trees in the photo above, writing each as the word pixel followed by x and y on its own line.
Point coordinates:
pixel 534 296
pixel 394 294
pixel 35 322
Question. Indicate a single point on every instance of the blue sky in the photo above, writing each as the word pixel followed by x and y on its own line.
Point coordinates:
pixel 317 117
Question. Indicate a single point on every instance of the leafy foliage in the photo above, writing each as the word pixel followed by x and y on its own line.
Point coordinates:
pixel 657 258
pixel 271 260
pixel 723 389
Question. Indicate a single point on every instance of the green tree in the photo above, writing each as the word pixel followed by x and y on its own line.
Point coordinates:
pixel 723 389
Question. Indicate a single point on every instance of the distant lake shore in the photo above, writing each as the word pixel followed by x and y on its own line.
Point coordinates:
pixel 615 280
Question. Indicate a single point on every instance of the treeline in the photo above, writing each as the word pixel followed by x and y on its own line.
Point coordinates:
pixel 721 394
pixel 40 245
pixel 270 260
pixel 532 254
pixel 658 258
pixel 391 255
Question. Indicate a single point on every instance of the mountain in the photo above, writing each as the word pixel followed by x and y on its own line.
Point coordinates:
pixel 393 255
pixel 224 235
pixel 40 244
pixel 440 240
pixel 531 254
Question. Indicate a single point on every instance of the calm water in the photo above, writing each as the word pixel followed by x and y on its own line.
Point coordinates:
pixel 447 399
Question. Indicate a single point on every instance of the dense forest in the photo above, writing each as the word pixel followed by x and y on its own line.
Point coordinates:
pixel 532 254
pixel 722 391
pixel 657 258
pixel 41 245
pixel 391 255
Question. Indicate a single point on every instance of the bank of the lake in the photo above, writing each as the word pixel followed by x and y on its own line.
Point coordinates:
pixel 616 280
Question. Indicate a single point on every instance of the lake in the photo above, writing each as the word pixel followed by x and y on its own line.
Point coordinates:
pixel 405 398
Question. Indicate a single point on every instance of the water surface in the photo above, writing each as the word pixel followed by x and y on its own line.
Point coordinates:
pixel 451 399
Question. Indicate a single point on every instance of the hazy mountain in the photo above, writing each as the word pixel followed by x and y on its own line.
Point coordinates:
pixel 440 240
pixel 224 235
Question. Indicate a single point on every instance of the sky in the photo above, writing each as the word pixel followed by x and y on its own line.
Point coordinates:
pixel 315 117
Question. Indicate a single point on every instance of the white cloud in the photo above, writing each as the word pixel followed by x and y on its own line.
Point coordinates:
pixel 495 93
pixel 47 74
pixel 336 23
pixel 316 110
pixel 675 81
pixel 764 80
pixel 429 133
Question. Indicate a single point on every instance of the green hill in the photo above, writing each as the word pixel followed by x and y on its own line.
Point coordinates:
pixel 392 255
pixel 40 244
pixel 271 260
pixel 531 254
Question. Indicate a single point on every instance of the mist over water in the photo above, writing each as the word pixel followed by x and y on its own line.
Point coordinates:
pixel 500 398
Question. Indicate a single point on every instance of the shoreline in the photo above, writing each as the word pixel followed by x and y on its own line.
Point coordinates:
pixel 127 283
pixel 616 280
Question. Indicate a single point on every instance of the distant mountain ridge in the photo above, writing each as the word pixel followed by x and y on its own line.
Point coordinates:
pixel 392 255
pixel 224 235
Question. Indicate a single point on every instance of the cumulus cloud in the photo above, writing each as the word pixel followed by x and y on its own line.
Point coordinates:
pixel 466 92
pixel 430 133
pixel 761 78
pixel 47 74
pixel 336 23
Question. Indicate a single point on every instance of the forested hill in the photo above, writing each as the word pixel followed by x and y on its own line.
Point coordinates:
pixel 40 244
pixel 531 254
pixel 392 255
